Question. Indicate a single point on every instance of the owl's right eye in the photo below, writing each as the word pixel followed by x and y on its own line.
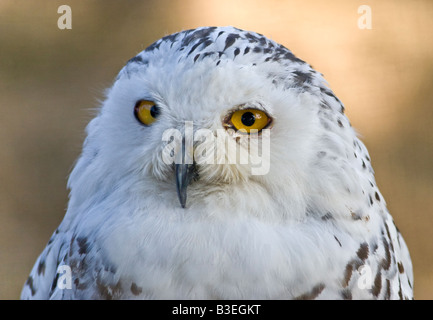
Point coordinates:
pixel 146 112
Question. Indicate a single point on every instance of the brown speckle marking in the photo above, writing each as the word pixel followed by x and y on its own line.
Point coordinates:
pixel 29 283
pixel 377 196
pixel 377 284
pixel 354 264
pixel 109 292
pixel 386 262
pixel 83 245
pixel 80 285
pixel 347 274
pixel 362 252
pixel 136 290
pixel 400 292
pixel 410 284
pixel 389 237
pixel 355 216
pixel 388 290
pixel 313 294
pixel 41 267
pixel 400 267
pixel 346 294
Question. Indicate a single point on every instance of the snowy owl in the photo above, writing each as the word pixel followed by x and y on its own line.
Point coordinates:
pixel 169 201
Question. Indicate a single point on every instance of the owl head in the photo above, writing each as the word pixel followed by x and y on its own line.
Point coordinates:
pixel 203 110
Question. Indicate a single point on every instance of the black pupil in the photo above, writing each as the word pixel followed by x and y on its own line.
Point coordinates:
pixel 154 111
pixel 248 119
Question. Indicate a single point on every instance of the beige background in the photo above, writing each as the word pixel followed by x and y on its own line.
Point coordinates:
pixel 51 80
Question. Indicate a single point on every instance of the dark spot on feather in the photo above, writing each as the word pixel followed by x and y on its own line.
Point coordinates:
pixel 193 34
pixel 80 285
pixel 346 294
pixel 362 252
pixel 355 215
pixel 410 284
pixel 54 283
pixel 325 105
pixel 387 290
pixel 29 283
pixel 154 45
pixel 327 216
pixel 338 241
pixel 109 292
pixel 386 262
pixel 302 77
pixel 136 59
pixel 377 284
pixel 231 38
pixel 313 294
pixel 400 292
pixel 83 245
pixel 348 274
pixel 237 51
pixel 400 267
pixel 136 290
pixel 389 237
pixel 377 196
pixel 41 267
pixel 193 48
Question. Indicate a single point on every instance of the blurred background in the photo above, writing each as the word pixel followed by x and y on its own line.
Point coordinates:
pixel 51 81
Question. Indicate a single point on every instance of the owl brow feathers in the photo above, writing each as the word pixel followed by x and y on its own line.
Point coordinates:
pixel 205 146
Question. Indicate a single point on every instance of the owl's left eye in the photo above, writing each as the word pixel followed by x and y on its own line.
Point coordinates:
pixel 146 112
pixel 246 120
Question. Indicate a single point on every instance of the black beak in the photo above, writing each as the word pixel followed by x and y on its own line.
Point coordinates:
pixel 184 174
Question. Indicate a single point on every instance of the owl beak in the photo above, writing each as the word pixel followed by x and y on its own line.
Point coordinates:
pixel 184 174
pixel 185 171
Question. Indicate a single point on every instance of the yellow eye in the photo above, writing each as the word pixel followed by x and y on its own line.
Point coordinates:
pixel 146 112
pixel 250 119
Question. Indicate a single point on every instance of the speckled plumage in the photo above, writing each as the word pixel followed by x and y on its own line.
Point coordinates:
pixel 315 226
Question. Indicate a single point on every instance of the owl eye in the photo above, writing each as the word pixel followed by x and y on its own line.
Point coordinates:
pixel 249 119
pixel 146 112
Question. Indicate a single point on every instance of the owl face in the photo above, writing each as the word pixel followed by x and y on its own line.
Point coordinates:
pixel 212 106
